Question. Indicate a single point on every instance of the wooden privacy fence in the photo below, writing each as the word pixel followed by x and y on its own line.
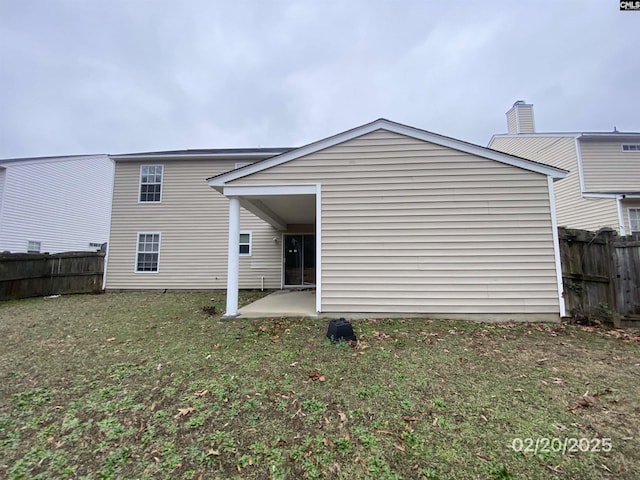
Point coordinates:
pixel 601 275
pixel 38 274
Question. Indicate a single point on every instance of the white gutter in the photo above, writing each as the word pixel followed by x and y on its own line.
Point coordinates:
pixel 196 155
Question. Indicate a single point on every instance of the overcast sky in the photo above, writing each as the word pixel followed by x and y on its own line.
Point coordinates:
pixel 116 76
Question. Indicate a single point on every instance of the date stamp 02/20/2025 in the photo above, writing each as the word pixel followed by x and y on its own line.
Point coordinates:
pixel 544 445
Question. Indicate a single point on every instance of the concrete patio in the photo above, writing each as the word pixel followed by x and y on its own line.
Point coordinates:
pixel 282 303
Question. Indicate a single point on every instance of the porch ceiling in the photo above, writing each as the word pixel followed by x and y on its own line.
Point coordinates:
pixel 282 210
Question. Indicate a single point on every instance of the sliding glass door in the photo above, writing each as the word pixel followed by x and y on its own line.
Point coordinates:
pixel 299 260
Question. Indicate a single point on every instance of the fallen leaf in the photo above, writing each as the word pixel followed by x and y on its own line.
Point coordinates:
pixel 343 417
pixel 410 419
pixel 317 377
pixel 183 412
pixel 213 452
pixel 201 393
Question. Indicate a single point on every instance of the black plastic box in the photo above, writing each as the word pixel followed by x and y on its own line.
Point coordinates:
pixel 340 329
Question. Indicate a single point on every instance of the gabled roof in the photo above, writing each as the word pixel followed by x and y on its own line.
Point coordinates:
pixel 624 136
pixel 616 135
pixel 384 124
pixel 204 153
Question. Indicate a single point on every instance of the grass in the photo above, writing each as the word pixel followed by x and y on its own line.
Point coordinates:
pixel 148 385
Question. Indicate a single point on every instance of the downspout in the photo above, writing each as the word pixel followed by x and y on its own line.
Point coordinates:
pixel 623 230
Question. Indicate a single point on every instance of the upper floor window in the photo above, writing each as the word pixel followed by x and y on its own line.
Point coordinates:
pixel 33 246
pixel 634 220
pixel 150 183
pixel 631 147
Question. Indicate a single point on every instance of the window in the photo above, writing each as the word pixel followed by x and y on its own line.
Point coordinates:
pixel 245 244
pixel 631 147
pixel 147 252
pixel 33 246
pixel 150 183
pixel 634 220
pixel 242 164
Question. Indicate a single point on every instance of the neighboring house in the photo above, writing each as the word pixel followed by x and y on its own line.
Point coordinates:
pixel 55 204
pixel 381 219
pixel 603 186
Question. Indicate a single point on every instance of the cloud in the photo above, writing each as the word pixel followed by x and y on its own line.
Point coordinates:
pixel 122 76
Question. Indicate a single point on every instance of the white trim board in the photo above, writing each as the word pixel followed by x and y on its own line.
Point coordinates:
pixel 318 248
pixel 106 255
pixel 556 247
pixel 230 191
pixel 579 160
pixel 383 124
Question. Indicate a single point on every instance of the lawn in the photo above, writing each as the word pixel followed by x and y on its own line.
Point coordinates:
pixel 150 385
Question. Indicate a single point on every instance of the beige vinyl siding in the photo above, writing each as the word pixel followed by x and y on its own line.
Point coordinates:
pixel 525 117
pixel 512 123
pixel 409 226
pixel 193 221
pixel 608 169
pixel 572 209
pixel 520 119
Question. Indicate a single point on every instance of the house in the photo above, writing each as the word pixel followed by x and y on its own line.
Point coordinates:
pixel 383 219
pixel 602 188
pixel 55 204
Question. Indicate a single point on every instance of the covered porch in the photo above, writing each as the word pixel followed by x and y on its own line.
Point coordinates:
pixel 294 211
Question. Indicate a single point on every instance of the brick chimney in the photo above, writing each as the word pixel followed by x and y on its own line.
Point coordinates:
pixel 520 118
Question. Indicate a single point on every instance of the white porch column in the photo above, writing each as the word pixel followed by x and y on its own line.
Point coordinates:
pixel 233 256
